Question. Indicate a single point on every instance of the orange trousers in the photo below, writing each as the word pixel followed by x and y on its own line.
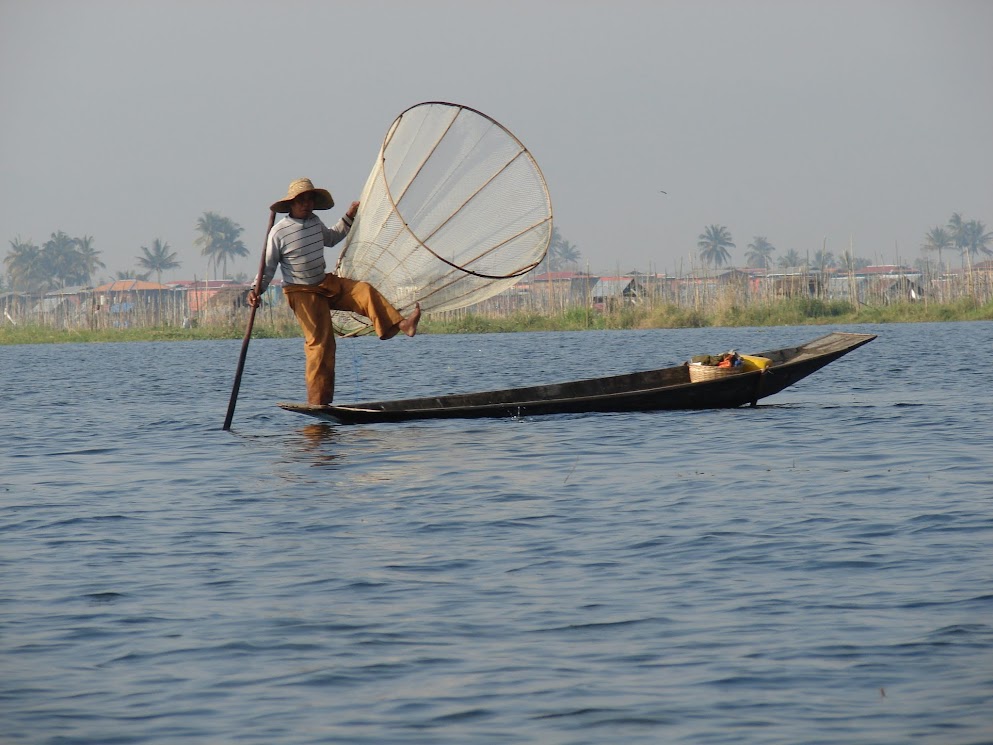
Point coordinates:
pixel 312 305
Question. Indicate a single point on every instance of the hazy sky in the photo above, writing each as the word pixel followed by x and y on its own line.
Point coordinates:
pixel 804 122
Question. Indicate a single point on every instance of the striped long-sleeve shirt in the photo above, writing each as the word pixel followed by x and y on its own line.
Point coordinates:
pixel 297 247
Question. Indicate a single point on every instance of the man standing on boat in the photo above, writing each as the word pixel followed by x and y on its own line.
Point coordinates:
pixel 296 244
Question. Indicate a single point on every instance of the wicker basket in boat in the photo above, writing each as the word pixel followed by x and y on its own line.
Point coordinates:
pixel 712 372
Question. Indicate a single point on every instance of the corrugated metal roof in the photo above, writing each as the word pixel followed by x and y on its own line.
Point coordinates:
pixel 611 286
pixel 129 285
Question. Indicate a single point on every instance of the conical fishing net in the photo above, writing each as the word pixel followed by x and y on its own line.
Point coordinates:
pixel 455 211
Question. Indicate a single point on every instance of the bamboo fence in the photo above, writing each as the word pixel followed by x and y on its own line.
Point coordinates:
pixel 696 291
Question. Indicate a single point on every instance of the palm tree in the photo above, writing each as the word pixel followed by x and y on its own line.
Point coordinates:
pixel 975 238
pixel 59 262
pixel 159 259
pixel 63 260
pixel 210 226
pixel 25 268
pixel 559 251
pixel 938 239
pixel 956 226
pixel 824 259
pixel 568 253
pixel 219 240
pixel 759 252
pixel 88 257
pixel 714 243
pixel 231 245
pixel 790 259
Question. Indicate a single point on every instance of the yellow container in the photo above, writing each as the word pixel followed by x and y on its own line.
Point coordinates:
pixel 751 362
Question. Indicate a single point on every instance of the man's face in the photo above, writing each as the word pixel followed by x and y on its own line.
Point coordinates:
pixel 302 206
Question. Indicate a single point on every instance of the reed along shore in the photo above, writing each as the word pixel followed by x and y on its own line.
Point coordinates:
pixel 787 312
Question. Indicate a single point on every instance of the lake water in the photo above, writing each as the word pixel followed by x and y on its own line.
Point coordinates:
pixel 818 569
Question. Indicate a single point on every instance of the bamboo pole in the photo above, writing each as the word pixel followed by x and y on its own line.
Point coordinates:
pixel 248 330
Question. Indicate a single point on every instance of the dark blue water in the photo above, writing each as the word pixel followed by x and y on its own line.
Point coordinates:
pixel 818 569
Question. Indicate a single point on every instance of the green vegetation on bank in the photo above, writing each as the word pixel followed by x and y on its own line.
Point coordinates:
pixel 46 335
pixel 790 312
pixel 35 334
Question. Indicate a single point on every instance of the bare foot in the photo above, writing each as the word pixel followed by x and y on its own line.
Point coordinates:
pixel 409 324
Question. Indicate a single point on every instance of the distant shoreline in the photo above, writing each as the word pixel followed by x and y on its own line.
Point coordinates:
pixel 805 312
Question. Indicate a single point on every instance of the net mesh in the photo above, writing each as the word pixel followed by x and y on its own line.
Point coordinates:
pixel 455 211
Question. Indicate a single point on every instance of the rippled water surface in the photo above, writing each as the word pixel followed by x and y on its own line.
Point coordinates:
pixel 817 569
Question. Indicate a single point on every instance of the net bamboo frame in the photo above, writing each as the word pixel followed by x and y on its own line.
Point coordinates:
pixel 455 210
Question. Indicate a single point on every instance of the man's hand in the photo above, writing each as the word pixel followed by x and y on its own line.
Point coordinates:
pixel 252 299
pixel 353 208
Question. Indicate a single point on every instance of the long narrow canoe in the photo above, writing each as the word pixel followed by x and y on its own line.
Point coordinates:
pixel 668 388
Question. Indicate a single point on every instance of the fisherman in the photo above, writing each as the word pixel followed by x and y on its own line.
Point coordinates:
pixel 296 244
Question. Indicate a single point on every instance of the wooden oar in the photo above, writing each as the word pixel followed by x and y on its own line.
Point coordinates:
pixel 248 330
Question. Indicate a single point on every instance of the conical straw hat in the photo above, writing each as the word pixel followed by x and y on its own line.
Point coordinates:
pixel 322 197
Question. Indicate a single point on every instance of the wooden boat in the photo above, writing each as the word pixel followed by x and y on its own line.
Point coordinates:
pixel 665 389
